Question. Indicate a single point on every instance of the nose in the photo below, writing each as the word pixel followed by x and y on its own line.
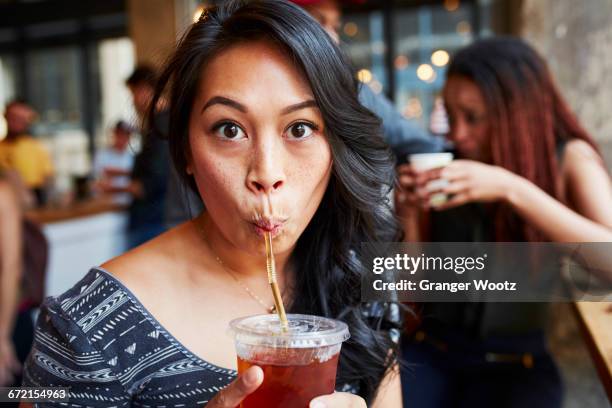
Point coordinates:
pixel 266 172
pixel 459 131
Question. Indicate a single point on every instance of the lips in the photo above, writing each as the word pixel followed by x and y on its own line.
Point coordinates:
pixel 273 227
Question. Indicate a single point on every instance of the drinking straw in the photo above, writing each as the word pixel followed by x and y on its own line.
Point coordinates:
pixel 271 267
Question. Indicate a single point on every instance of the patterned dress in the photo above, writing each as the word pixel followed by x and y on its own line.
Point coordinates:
pixel 100 341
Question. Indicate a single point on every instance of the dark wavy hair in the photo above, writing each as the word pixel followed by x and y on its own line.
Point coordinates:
pixel 328 264
pixel 528 116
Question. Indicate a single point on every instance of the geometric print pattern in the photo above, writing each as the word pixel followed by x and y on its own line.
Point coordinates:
pixel 101 342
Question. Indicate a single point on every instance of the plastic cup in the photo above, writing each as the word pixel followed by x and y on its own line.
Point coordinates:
pixel 299 364
pixel 428 161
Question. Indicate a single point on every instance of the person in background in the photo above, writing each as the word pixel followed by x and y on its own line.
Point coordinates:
pixel 10 275
pixel 113 165
pixel 404 137
pixel 526 171
pixel 179 204
pixel 21 152
pixel 23 258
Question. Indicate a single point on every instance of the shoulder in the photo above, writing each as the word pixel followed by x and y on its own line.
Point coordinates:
pixel 577 149
pixel 140 266
pixel 580 159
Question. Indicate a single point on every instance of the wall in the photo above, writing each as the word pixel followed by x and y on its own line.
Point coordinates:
pixel 575 37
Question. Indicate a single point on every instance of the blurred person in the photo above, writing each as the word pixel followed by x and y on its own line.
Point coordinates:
pixel 262 104
pixel 23 256
pixel 149 178
pixel 113 165
pixel 403 136
pixel 10 275
pixel 21 152
pixel 179 204
pixel 526 171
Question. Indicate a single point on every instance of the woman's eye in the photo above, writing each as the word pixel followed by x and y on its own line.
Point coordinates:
pixel 229 131
pixel 300 130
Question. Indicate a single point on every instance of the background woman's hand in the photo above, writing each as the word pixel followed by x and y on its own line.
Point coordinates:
pixel 473 181
pixel 412 185
pixel 338 400
pixel 232 395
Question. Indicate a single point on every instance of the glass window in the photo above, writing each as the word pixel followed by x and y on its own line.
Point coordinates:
pixel 426 38
pixel 8 86
pixel 362 35
pixel 55 88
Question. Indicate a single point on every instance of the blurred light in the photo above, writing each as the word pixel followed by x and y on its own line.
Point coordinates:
pixel 378 47
pixel 451 5
pixel 351 29
pixel 197 13
pixel 440 58
pixel 364 75
pixel 401 62
pixel 426 73
pixel 376 86
pixel 463 27
pixel 413 109
pixel 438 121
pixel 560 31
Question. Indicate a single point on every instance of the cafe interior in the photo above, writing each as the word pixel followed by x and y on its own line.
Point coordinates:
pixel 69 61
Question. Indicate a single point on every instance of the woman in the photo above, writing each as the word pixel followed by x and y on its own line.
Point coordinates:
pixel 10 276
pixel 526 171
pixel 262 106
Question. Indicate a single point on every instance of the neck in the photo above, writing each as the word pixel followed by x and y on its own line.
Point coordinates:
pixel 239 261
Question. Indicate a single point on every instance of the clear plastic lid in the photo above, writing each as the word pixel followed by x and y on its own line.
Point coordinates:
pixel 305 331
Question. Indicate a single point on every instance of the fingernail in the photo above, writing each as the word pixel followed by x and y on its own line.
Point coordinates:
pixel 252 376
pixel 317 404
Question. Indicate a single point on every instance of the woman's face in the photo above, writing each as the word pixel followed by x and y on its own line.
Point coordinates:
pixel 256 134
pixel 467 113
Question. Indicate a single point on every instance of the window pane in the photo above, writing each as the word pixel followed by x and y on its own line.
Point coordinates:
pixel 8 86
pixel 363 37
pixel 426 37
pixel 55 89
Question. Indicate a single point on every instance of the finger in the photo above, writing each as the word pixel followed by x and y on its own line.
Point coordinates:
pixel 232 395
pixel 408 198
pixel 406 169
pixel 454 201
pixel 338 399
pixel 407 181
pixel 454 173
pixel 429 175
pixel 455 187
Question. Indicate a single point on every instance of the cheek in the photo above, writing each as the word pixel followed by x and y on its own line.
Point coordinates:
pixel 309 179
pixel 218 178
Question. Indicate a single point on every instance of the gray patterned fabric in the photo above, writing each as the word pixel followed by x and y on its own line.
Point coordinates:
pixel 101 342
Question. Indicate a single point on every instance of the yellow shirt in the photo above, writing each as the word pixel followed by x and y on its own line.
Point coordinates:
pixel 29 158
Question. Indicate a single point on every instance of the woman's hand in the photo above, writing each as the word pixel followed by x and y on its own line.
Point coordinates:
pixel 338 400
pixel 472 181
pixel 9 364
pixel 232 395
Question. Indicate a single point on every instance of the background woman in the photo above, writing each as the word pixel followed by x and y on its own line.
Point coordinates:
pixel 262 104
pixel 527 171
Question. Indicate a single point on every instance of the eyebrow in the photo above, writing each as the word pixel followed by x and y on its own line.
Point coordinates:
pixel 222 100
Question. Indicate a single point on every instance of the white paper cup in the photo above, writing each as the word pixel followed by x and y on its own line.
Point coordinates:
pixel 428 161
